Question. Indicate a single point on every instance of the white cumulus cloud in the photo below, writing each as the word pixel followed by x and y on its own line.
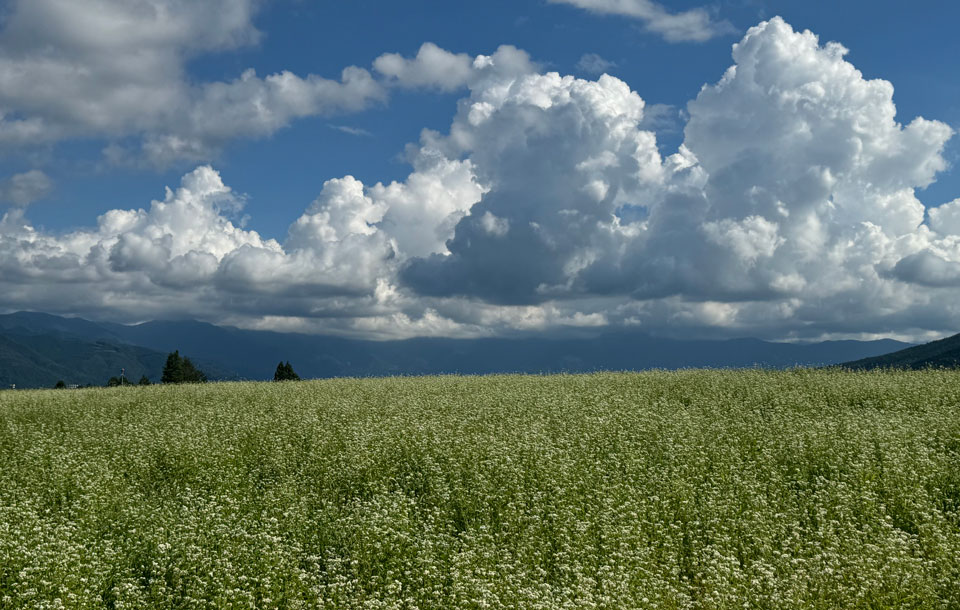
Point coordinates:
pixel 561 154
pixel 789 210
pixel 116 71
pixel 791 199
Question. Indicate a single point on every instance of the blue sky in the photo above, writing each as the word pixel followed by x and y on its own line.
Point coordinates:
pixel 76 167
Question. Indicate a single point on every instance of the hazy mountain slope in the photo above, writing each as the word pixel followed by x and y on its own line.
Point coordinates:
pixel 254 354
pixel 37 350
pixel 251 354
pixel 30 322
pixel 607 352
pixel 229 353
pixel 941 353
pixel 40 360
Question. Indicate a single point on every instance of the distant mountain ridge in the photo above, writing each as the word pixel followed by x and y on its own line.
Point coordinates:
pixel 40 360
pixel 941 353
pixel 37 349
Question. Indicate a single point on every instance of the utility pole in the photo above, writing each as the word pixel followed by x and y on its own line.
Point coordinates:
pixel 122 381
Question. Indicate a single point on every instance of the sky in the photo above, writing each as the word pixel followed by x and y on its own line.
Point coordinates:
pixel 784 170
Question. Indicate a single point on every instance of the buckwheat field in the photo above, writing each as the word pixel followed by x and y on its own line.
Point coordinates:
pixel 695 489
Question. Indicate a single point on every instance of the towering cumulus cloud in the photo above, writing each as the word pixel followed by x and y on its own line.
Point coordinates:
pixel 806 197
pixel 790 210
pixel 560 155
pixel 791 202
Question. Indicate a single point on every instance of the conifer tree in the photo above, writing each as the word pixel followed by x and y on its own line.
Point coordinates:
pixel 181 370
pixel 291 374
pixel 285 372
pixel 191 374
pixel 173 369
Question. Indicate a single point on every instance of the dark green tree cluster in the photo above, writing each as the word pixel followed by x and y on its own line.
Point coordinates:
pixel 114 382
pixel 285 372
pixel 181 370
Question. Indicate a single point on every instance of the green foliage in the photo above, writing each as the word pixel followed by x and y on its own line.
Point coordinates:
pixel 181 370
pixel 60 385
pixel 285 372
pixel 693 489
pixel 114 382
pixel 144 380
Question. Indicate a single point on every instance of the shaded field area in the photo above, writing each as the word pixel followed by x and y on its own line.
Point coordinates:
pixel 691 489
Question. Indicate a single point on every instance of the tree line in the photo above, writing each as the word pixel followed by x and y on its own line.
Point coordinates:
pixel 180 369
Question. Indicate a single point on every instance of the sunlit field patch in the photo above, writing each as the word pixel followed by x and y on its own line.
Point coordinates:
pixel 695 489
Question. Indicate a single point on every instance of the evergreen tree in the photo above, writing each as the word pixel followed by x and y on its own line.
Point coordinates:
pixel 191 374
pixel 144 381
pixel 113 382
pixel 173 369
pixel 285 372
pixel 291 374
pixel 181 370
pixel 60 385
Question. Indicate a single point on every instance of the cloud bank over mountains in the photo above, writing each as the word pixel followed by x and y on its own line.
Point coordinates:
pixel 789 211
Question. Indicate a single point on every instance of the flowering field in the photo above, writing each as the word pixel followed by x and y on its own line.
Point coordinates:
pixel 696 489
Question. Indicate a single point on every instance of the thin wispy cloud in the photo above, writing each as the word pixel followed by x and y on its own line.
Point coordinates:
pixel 694 25
pixel 593 64
pixel 353 131
pixel 25 188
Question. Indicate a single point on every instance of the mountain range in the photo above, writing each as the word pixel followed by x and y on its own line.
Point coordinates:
pixel 37 350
